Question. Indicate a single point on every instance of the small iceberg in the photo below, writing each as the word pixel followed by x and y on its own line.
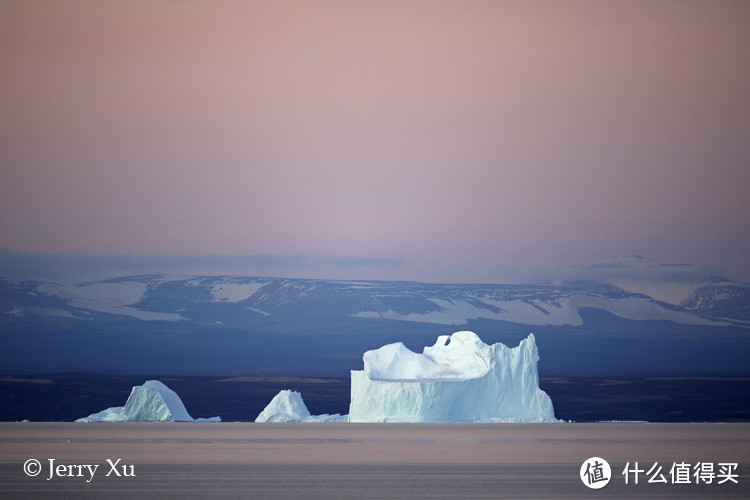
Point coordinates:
pixel 151 402
pixel 288 406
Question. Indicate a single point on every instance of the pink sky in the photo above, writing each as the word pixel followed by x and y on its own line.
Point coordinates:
pixel 469 139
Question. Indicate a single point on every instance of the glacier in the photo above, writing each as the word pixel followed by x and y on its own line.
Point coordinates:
pixel 288 406
pixel 151 402
pixel 458 379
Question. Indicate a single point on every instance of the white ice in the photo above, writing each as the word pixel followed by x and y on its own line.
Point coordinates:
pixel 288 406
pixel 108 297
pixel 459 379
pixel 228 291
pixel 151 402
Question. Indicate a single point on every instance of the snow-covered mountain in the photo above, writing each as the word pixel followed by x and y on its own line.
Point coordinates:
pixel 633 288
pixel 671 283
pixel 620 316
pixel 236 300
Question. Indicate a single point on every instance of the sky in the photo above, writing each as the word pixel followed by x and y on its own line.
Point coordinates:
pixel 464 141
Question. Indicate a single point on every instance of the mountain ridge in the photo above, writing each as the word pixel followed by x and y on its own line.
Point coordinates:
pixel 229 298
pixel 263 326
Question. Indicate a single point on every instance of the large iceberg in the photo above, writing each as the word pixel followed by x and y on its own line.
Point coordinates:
pixel 151 402
pixel 459 379
pixel 288 406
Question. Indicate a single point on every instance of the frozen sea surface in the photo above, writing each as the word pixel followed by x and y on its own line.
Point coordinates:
pixel 248 460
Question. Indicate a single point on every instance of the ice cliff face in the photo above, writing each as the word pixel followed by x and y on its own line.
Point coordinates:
pixel 459 379
pixel 151 402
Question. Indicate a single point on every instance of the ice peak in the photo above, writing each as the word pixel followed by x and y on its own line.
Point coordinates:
pixel 151 402
pixel 170 399
pixel 460 356
pixel 286 406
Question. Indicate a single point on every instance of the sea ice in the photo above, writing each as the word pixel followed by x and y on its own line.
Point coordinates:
pixel 459 379
pixel 151 402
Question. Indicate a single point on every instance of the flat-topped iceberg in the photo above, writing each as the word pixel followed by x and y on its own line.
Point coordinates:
pixel 459 379
pixel 151 402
